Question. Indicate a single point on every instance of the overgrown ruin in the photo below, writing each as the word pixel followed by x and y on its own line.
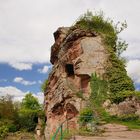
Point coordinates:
pixel 75 55
pixel 90 46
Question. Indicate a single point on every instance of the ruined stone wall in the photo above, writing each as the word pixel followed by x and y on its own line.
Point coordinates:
pixel 75 55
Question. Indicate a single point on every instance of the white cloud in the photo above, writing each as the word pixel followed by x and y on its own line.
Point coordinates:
pixel 40 82
pixel 17 94
pixel 44 69
pixel 39 96
pixel 21 66
pixel 24 82
pixel 3 80
pixel 13 91
pixel 133 69
pixel 133 50
pixel 26 31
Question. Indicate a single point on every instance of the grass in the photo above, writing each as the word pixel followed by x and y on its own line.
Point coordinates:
pixel 131 123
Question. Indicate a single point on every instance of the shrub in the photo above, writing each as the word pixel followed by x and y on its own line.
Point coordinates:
pixel 3 131
pixel 9 124
pixel 86 116
pixel 116 75
pixel 106 28
pixel 121 96
pixel 128 117
pixel 28 119
pixel 12 128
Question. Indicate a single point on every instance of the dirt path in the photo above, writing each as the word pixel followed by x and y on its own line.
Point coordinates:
pixel 20 136
pixel 114 132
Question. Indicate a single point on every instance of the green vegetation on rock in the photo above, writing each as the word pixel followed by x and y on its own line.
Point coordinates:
pixel 86 116
pixel 121 96
pixel 44 85
pixel 105 28
pixel 116 75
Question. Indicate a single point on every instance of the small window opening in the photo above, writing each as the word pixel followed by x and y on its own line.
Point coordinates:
pixel 69 69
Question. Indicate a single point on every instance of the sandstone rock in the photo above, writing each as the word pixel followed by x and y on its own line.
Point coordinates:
pixel 138 112
pixel 129 106
pixel 75 55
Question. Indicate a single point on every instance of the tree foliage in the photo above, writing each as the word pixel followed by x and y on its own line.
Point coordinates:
pixel 30 102
pixel 8 116
pixel 117 76
pixel 8 110
pixel 15 116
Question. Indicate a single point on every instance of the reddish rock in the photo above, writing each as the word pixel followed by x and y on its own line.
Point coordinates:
pixel 75 55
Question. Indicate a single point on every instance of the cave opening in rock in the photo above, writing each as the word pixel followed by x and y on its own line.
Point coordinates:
pixel 69 69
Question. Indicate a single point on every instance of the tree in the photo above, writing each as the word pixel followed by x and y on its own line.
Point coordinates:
pixel 7 109
pixel 28 114
pixel 30 102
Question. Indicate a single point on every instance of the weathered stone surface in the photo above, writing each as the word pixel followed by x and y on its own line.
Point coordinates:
pixel 76 54
pixel 129 106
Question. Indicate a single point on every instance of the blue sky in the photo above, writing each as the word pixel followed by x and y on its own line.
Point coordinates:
pixel 24 80
pixel 34 77
pixel 26 36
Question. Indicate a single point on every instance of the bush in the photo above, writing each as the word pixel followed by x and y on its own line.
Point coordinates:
pixel 121 96
pixel 86 116
pixel 28 119
pixel 116 75
pixel 106 28
pixel 3 131
pixel 12 128
pixel 128 117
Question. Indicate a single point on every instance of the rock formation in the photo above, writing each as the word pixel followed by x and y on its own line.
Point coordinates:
pixel 75 55
pixel 128 107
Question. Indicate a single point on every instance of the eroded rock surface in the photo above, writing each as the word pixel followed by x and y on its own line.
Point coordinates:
pixel 75 55
pixel 127 107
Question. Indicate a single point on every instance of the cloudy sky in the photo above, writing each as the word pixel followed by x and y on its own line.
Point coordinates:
pixel 26 35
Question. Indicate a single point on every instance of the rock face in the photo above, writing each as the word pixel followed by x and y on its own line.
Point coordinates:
pixel 75 55
pixel 128 106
